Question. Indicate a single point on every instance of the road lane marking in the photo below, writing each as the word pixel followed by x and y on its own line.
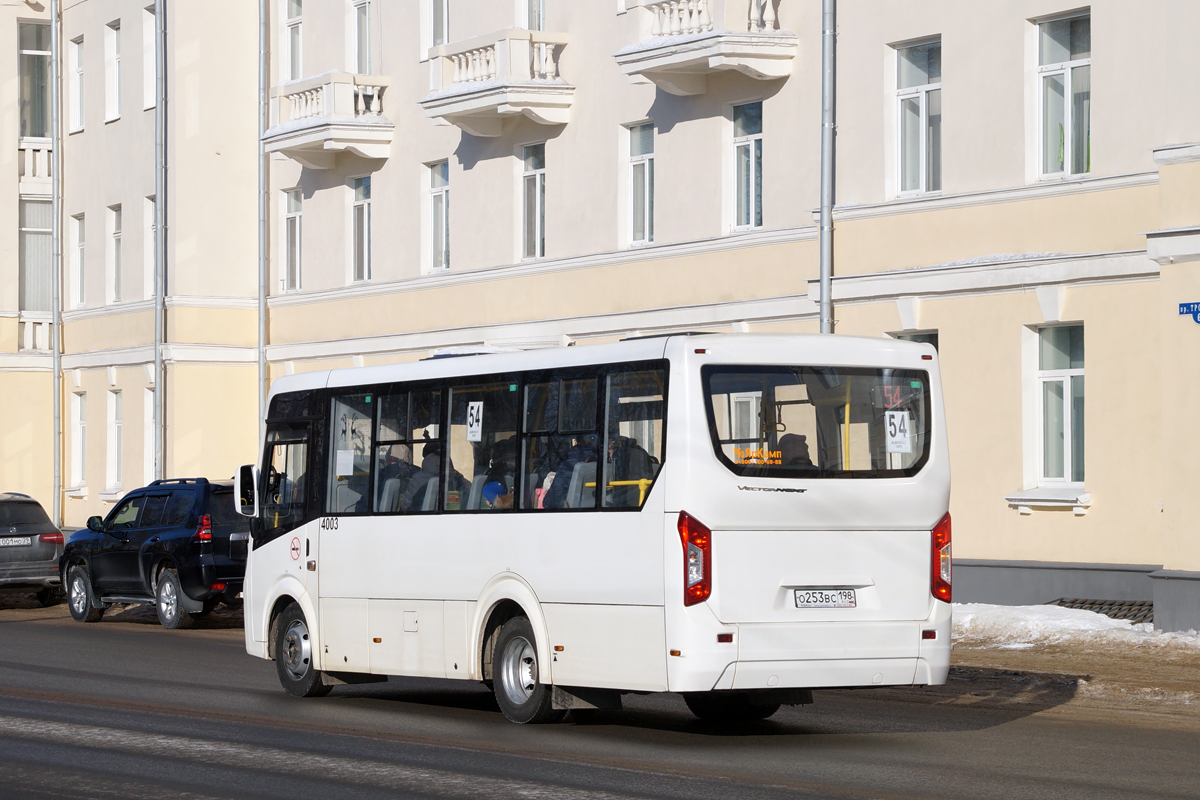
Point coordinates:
pixel 297 763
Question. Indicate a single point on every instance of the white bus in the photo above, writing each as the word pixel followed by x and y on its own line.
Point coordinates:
pixel 738 518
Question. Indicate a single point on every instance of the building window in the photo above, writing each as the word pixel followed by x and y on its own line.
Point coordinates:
pixel 1060 378
pixel 34 55
pixel 919 121
pixel 362 229
pixel 79 439
pixel 295 10
pixel 149 59
pixel 1065 88
pixel 147 436
pixel 112 71
pixel 114 254
pixel 75 83
pixel 534 180
pixel 439 215
pixel 362 37
pixel 747 155
pixel 535 15
pixel 35 257
pixel 441 21
pixel 78 263
pixel 923 337
pixel 148 261
pixel 115 450
pixel 292 231
pixel 641 183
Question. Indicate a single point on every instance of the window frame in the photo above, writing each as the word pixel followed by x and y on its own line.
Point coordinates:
pixel 921 93
pixel 149 59
pixel 362 51
pixel 438 36
pixel 21 99
pixel 360 246
pixel 538 178
pixel 1066 69
pixel 293 236
pixel 1063 376
pixel 112 71
pixel 79 258
pixel 78 439
pixel 754 204
pixel 439 194
pixel 113 254
pixel 23 265
pixel 115 445
pixel 75 83
pixel 646 161
pixel 293 43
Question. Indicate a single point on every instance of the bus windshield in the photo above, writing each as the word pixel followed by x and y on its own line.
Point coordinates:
pixel 818 422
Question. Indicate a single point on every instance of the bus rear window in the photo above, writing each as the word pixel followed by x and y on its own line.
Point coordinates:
pixel 818 422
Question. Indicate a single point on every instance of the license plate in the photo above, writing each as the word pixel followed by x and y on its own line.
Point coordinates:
pixel 17 541
pixel 825 598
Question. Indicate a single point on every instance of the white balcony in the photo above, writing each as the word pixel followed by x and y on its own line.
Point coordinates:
pixel 476 83
pixel 685 41
pixel 33 331
pixel 34 160
pixel 315 119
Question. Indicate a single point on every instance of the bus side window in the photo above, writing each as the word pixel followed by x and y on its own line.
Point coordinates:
pixel 482 470
pixel 560 455
pixel 633 436
pixel 284 481
pixel 350 453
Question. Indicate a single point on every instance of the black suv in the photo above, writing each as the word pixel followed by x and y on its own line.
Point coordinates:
pixel 178 544
pixel 29 548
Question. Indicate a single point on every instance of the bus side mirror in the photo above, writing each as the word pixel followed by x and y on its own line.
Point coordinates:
pixel 245 487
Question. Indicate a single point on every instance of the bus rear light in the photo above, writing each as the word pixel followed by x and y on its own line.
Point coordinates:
pixel 928 634
pixel 204 530
pixel 697 559
pixel 941 562
pixel 53 538
pixel 927 358
pixel 725 638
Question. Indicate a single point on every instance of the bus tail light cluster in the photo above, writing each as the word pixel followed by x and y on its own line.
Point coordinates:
pixel 204 530
pixel 697 559
pixel 941 562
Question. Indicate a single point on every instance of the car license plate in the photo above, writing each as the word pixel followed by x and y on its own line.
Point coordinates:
pixel 825 598
pixel 16 541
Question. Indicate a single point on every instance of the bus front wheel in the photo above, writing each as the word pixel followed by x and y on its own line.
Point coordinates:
pixel 520 692
pixel 294 655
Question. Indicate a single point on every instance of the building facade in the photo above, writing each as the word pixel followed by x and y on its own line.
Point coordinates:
pixel 543 172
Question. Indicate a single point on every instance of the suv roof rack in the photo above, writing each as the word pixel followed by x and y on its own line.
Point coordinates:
pixel 178 480
pixel 664 335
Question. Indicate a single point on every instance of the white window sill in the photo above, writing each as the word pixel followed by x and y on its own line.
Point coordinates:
pixel 77 493
pixel 1064 177
pixel 112 119
pixel 111 495
pixel 1048 497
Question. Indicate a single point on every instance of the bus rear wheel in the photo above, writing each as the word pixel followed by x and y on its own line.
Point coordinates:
pixel 294 655
pixel 520 693
pixel 727 707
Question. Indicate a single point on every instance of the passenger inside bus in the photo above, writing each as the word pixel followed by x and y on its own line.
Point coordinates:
pixel 581 454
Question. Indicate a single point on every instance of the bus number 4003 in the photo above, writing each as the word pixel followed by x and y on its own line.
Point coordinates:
pixel 329 523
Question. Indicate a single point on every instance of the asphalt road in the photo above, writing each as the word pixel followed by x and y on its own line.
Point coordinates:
pixel 123 709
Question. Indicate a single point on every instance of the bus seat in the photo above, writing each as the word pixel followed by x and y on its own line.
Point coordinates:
pixel 476 496
pixel 345 498
pixel 389 499
pixel 578 495
pixel 431 495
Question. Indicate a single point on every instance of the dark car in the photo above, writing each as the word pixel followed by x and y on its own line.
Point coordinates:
pixel 30 545
pixel 178 544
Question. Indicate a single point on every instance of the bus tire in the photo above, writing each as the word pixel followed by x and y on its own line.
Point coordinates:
pixel 294 656
pixel 520 693
pixel 731 707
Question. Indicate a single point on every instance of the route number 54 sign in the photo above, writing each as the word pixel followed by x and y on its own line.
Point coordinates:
pixel 899 432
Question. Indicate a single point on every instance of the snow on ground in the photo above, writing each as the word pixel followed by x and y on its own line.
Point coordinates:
pixel 1024 627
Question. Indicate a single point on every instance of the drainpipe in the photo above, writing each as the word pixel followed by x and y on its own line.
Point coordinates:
pixel 263 200
pixel 828 59
pixel 55 258
pixel 160 230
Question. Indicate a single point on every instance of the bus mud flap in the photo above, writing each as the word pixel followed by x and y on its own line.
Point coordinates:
pixel 567 697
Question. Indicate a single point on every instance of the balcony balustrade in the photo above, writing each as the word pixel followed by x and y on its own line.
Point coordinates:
pixel 34 161
pixel 685 41
pixel 317 118
pixel 33 332
pixel 475 84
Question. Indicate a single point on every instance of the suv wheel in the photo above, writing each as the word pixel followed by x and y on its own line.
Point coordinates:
pixel 519 690
pixel 49 597
pixel 294 655
pixel 168 603
pixel 79 595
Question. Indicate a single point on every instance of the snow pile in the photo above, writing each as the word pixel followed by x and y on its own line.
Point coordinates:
pixel 1023 627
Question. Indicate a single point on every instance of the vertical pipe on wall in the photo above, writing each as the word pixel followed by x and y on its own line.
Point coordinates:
pixel 828 60
pixel 263 202
pixel 55 259
pixel 160 230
